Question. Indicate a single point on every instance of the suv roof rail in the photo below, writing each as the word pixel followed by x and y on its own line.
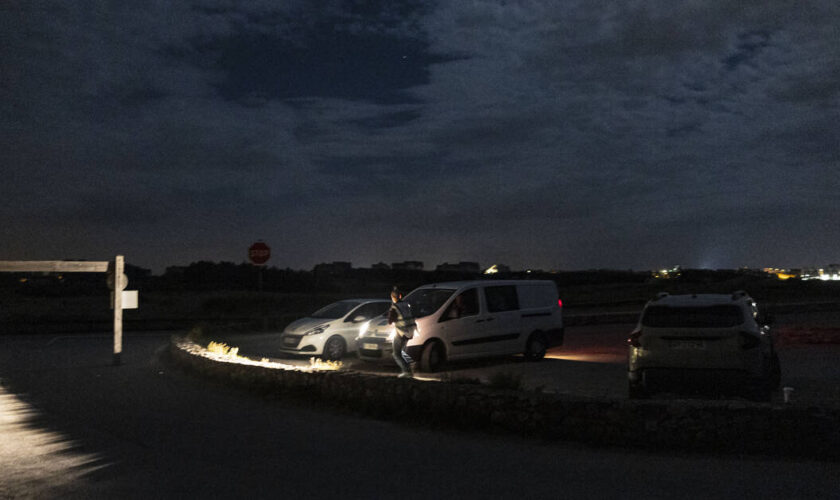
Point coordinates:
pixel 737 294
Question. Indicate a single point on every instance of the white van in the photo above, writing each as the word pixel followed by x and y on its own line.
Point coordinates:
pixel 471 319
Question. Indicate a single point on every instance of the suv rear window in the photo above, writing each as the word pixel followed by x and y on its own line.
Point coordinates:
pixel 719 316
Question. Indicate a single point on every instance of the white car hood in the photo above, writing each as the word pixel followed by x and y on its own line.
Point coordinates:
pixel 303 325
pixel 379 326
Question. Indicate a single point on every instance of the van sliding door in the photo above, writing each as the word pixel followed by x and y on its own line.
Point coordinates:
pixel 502 320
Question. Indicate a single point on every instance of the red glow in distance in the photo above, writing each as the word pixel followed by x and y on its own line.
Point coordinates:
pixel 559 303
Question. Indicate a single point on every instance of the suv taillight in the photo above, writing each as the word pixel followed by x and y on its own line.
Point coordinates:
pixel 559 303
pixel 749 340
pixel 634 338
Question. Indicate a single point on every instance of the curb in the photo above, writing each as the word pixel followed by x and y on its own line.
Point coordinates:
pixel 677 425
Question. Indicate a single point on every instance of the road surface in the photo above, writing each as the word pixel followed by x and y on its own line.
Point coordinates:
pixel 71 425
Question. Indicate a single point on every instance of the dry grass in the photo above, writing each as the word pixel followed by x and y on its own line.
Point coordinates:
pixel 224 350
pixel 320 364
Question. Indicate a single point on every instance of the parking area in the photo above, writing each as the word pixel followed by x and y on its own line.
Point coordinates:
pixel 591 363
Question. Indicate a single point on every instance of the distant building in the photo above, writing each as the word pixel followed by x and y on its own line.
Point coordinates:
pixel 381 266
pixel 409 265
pixel 333 268
pixel 463 267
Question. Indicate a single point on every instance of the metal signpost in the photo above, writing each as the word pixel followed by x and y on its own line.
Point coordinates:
pixel 117 281
pixel 259 253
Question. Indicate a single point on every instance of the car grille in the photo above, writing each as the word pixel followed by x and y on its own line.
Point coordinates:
pixel 291 340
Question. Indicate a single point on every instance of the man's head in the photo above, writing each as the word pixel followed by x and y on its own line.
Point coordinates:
pixel 396 294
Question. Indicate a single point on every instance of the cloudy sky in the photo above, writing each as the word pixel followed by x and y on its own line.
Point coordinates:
pixel 538 133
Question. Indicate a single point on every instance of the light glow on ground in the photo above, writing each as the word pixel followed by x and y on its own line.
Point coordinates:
pixel 589 357
pixel 36 462
pixel 230 355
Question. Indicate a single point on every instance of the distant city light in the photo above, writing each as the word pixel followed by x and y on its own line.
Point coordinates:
pixel 830 273
pixel 664 274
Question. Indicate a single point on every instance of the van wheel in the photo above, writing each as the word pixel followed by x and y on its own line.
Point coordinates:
pixel 535 347
pixel 433 357
pixel 334 349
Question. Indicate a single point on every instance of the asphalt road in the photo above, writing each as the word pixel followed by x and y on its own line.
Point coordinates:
pixel 71 425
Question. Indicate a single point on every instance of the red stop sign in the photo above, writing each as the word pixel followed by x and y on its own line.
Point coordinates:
pixel 259 253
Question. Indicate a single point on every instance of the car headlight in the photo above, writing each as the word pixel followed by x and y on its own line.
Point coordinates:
pixel 392 334
pixel 317 330
pixel 364 328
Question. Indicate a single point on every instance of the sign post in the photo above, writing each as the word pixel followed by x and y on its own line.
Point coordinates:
pixel 258 254
pixel 116 280
pixel 119 285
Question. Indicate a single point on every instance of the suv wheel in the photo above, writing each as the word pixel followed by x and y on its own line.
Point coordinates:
pixel 636 391
pixel 775 372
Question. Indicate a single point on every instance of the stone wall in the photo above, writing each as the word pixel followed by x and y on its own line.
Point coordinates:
pixel 711 426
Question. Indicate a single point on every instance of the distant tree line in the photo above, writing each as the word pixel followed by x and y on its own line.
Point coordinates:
pixel 228 276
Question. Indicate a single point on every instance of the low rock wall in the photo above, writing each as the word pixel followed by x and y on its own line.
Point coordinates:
pixel 712 426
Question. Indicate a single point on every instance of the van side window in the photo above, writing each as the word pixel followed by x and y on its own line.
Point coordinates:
pixel 501 298
pixel 465 304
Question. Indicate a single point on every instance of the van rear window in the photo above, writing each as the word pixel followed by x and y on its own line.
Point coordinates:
pixel 718 316
pixel 501 298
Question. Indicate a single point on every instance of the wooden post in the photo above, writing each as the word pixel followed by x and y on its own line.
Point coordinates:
pixel 119 267
pixel 64 266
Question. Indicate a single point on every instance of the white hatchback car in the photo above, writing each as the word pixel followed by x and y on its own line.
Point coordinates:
pixel 330 332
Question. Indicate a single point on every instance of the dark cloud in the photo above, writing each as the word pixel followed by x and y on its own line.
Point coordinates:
pixel 329 64
pixel 535 133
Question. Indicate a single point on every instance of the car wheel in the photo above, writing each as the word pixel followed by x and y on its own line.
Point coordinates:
pixel 334 349
pixel 433 357
pixel 535 347
pixel 636 391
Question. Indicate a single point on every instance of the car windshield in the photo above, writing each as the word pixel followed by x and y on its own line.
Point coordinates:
pixel 718 316
pixel 335 310
pixel 425 301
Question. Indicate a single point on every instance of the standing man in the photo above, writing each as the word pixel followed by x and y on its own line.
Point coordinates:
pixel 403 320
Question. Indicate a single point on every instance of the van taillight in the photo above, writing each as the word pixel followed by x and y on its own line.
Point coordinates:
pixel 749 341
pixel 559 303
pixel 634 339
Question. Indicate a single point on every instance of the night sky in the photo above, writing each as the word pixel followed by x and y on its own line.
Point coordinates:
pixel 544 133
